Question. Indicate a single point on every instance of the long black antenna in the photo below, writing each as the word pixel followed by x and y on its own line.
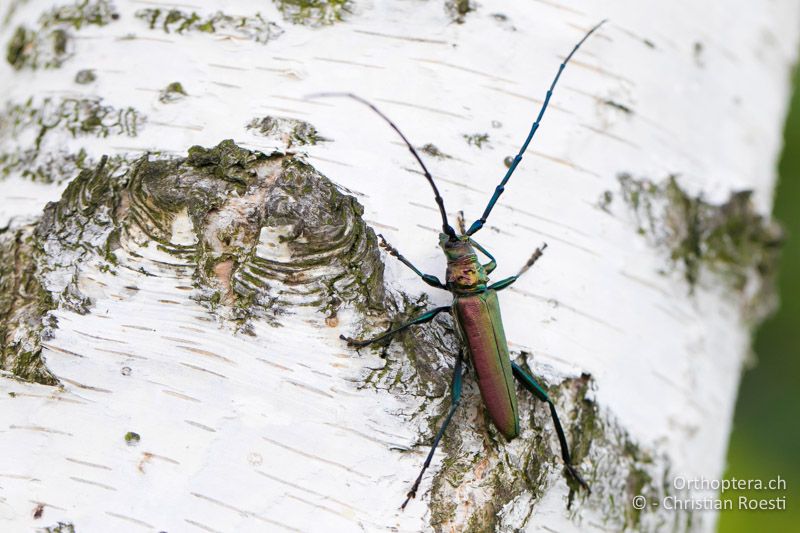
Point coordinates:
pixel 446 228
pixel 478 224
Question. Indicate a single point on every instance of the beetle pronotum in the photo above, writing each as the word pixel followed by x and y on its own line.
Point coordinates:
pixel 475 307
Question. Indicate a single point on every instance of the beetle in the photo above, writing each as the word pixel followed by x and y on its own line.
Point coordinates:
pixel 475 307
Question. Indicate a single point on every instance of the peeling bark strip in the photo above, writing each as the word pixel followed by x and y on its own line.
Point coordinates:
pixel 288 130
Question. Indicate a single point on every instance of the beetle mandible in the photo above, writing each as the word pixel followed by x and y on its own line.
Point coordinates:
pixel 475 307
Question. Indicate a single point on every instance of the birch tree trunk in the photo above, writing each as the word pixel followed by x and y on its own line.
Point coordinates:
pixel 172 301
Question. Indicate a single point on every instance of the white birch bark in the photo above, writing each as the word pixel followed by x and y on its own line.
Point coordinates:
pixel 285 428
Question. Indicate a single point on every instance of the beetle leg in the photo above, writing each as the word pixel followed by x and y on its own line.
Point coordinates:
pixel 421 319
pixel 532 260
pixel 455 399
pixel 503 283
pixel 537 390
pixel 492 264
pixel 430 279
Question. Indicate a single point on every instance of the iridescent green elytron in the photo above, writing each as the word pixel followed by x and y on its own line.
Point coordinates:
pixel 475 307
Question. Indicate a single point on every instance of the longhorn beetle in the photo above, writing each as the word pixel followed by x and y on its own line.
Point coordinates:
pixel 475 306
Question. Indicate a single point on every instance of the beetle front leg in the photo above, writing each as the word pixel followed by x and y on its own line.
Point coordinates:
pixel 504 283
pixel 426 317
pixel 537 390
pixel 532 260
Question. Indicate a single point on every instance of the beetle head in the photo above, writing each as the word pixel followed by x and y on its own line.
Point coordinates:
pixel 464 271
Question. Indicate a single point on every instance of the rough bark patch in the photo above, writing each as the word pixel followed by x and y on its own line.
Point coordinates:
pixel 729 241
pixel 260 233
pixel 50 44
pixel 253 27
pixel 26 130
pixel 314 12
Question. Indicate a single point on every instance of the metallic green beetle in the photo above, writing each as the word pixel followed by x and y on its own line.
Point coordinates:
pixel 475 308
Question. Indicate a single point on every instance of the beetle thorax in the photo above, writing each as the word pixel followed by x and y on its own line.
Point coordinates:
pixel 464 272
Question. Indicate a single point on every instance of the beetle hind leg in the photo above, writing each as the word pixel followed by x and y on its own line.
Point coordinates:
pixel 537 390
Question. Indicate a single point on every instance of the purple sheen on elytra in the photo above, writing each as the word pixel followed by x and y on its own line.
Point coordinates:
pixel 478 317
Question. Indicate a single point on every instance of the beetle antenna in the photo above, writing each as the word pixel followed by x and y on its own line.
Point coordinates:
pixel 446 228
pixel 478 224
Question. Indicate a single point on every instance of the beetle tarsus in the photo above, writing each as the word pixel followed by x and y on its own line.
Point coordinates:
pixel 577 477
pixel 532 260
pixel 350 341
pixel 411 494
pixel 391 250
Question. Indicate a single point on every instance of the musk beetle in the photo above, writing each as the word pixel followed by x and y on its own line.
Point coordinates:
pixel 475 307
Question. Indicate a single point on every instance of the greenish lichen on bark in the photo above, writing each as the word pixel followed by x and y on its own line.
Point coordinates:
pixel 478 140
pixel 26 127
pixel 85 76
pixel 172 93
pixel 30 49
pixel 132 438
pixel 60 527
pixel 414 363
pixel 80 14
pixel 433 151
pixel 289 131
pixel 458 9
pixel 730 240
pixel 253 27
pixel 314 12
pixel 78 116
pixel 49 45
